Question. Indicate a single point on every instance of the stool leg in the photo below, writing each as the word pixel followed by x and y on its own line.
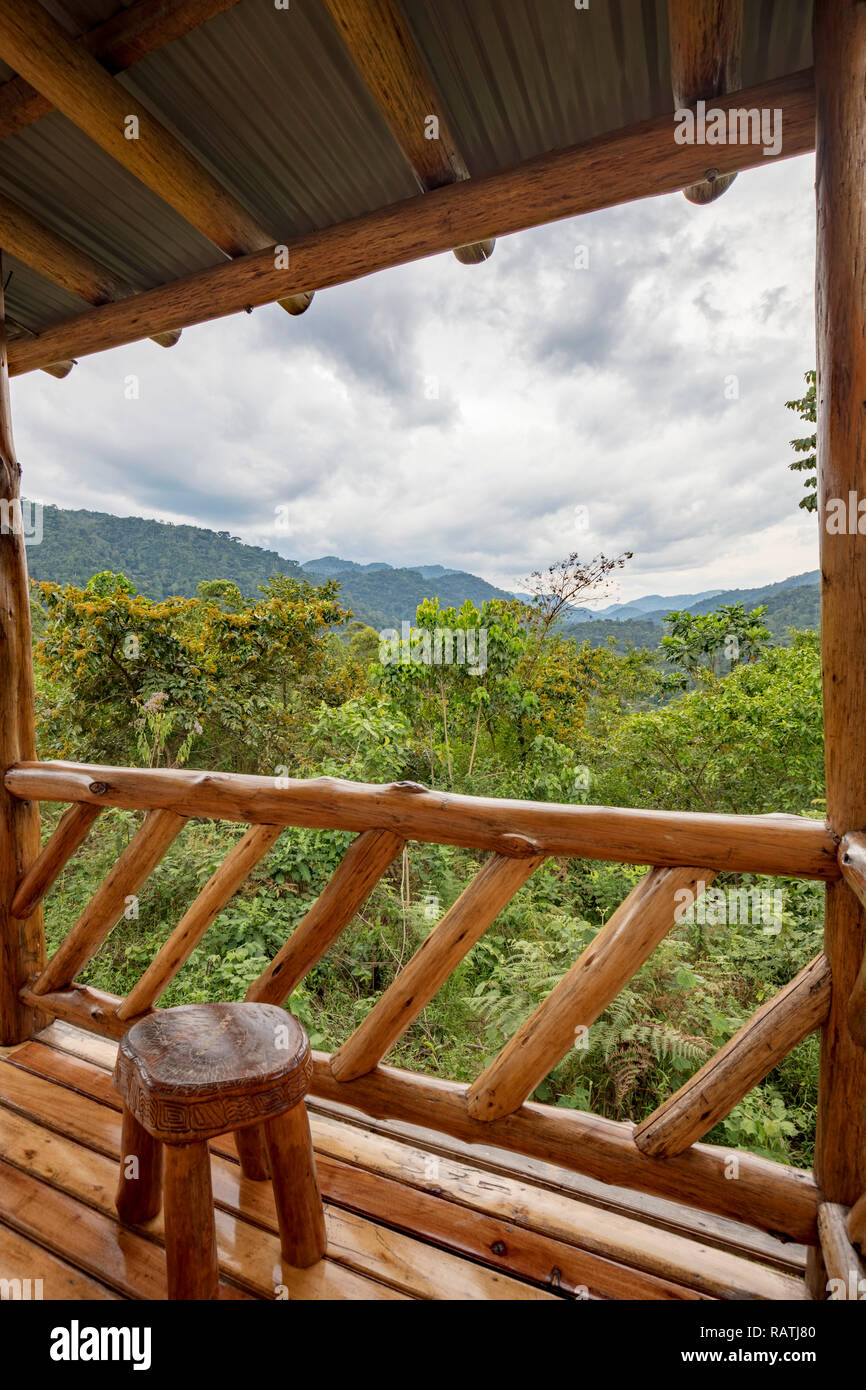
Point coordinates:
pixel 253 1153
pixel 190 1237
pixel 139 1189
pixel 296 1187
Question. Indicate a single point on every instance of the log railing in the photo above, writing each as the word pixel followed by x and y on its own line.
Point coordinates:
pixel 662 1155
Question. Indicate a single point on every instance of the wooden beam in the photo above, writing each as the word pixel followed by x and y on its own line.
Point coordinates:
pixel 706 41
pixel 359 871
pixel 840 80
pixel 36 245
pixel 750 1055
pixel 768 1195
pixel 641 161
pixel 85 1007
pixel 584 992
pixel 127 37
pixel 22 943
pixel 381 46
pixel 787 846
pixel 441 952
pixel 72 830
pixel 106 907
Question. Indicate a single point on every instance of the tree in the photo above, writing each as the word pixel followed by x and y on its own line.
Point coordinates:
pixel 558 588
pixel 697 645
pixel 808 445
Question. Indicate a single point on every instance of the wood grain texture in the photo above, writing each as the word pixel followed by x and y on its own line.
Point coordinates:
pixel 24 236
pixel 750 1055
pixel 72 830
pixel 767 1195
pixel 359 871
pixel 840 79
pixel 300 1216
pixel 639 161
pixel 139 1186
pixel 706 41
pixel 105 909
pixel 213 898
pixel 841 1261
pixel 438 955
pixel 856 1225
pixel 22 942
pixel 36 47
pixel 83 1006
pixel 57 1279
pixel 127 37
pixel 190 1233
pixel 544 1198
pixel 593 982
pixel 789 846
pixel 201 1070
pixel 852 860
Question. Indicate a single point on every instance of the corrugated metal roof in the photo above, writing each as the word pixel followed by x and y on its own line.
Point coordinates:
pixel 270 101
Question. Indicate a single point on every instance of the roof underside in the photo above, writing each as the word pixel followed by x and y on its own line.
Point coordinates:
pixel 270 102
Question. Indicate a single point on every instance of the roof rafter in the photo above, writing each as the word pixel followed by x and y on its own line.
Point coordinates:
pixel 382 48
pixel 639 161
pixel 706 42
pixel 34 45
pixel 124 39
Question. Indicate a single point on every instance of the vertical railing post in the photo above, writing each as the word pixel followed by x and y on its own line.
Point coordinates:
pixel 22 943
pixel 840 78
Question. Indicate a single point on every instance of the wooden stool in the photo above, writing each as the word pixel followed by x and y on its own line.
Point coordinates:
pixel 189 1074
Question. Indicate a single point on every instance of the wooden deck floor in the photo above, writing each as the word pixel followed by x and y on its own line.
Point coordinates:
pixel 410 1213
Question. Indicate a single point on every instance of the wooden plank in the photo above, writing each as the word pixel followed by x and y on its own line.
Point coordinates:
pixel 20 1259
pixel 841 1261
pixel 72 830
pixel 404 1264
pixel 689 1263
pixel 441 952
pixel 639 161
pixel 131 1264
pixel 750 1055
pixel 584 992
pixel 404 1151
pixel 771 1196
pixel 248 1255
pixel 787 846
pixel 840 75
pixel 705 39
pixel 216 895
pixel 22 943
pixel 359 871
pixel 513 1248
pixel 105 909
pixel 124 39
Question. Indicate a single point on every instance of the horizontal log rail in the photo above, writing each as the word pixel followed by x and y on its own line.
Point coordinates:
pixel 783 846
pixel 661 1155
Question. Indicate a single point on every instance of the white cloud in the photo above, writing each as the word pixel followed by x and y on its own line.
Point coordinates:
pixel 440 413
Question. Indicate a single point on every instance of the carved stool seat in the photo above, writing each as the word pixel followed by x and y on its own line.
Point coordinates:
pixel 189 1074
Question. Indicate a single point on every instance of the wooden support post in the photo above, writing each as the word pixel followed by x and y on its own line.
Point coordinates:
pixel 72 830
pixel 840 80
pixel 22 941
pixel 846 1277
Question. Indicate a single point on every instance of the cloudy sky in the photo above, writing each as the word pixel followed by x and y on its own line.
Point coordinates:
pixel 616 382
